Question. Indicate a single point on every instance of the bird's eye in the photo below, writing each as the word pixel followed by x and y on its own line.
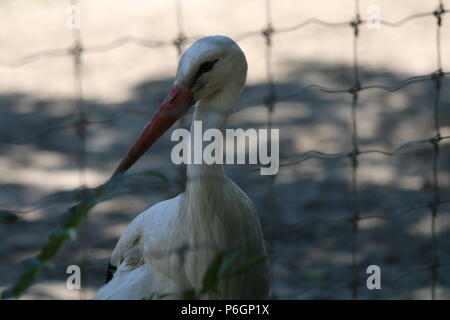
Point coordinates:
pixel 206 66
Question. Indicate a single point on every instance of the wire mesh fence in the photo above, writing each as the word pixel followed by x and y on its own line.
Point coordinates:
pixel 82 120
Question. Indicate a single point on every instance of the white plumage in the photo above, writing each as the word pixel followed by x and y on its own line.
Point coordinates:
pixel 212 215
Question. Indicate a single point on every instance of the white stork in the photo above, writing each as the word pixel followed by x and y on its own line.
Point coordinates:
pixel 212 215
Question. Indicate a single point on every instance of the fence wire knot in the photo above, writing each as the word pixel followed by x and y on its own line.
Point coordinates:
pixel 355 24
pixel 438 13
pixel 355 89
pixel 354 219
pixel 179 42
pixel 353 155
pixel 270 100
pixel 436 139
pixel 437 76
pixel 81 123
pixel 76 51
pixel 434 205
pixel 267 33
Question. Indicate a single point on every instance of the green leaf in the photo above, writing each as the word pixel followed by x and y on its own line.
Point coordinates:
pixel 156 174
pixel 191 294
pixel 224 266
pixel 157 296
pixel 70 221
pixel 211 276
pixel 313 275
pixel 246 266
pixel 228 262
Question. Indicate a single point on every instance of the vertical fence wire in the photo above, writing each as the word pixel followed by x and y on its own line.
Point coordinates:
pixel 80 111
pixel 81 132
pixel 179 42
pixel 354 91
pixel 181 39
pixel 270 100
pixel 437 78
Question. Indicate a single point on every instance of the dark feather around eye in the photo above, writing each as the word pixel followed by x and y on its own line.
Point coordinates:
pixel 206 67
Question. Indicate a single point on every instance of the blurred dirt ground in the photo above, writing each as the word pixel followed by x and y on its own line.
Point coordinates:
pixel 38 150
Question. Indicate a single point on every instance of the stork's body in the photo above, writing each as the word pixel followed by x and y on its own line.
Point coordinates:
pixel 212 215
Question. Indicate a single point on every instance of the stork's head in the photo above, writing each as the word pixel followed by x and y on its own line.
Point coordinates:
pixel 209 66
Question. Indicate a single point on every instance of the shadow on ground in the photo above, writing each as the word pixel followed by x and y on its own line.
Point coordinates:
pixel 310 260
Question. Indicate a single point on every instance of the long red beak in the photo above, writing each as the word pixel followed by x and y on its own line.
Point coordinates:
pixel 173 106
